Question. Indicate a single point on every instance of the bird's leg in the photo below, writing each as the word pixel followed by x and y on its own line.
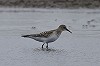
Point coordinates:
pixel 47 46
pixel 43 45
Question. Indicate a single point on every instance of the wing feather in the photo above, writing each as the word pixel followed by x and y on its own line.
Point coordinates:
pixel 44 34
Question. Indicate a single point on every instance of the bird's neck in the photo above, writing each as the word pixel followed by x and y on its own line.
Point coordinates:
pixel 58 32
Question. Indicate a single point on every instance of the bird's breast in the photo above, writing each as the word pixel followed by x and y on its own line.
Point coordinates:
pixel 52 38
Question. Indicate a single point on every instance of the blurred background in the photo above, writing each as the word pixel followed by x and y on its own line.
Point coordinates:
pixel 51 3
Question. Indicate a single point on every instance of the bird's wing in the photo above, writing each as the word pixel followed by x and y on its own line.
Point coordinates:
pixel 43 34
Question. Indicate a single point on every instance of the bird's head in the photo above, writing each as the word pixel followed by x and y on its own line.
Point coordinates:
pixel 63 28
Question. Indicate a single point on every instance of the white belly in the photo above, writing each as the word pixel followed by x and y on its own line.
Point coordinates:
pixel 52 38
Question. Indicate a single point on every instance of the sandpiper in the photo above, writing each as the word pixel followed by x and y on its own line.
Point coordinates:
pixel 48 36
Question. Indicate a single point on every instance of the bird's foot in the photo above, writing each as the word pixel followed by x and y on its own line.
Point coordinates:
pixel 42 48
pixel 47 48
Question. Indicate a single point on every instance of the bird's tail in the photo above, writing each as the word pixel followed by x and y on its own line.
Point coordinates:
pixel 25 35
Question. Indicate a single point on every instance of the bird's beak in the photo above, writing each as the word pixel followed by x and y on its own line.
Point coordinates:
pixel 68 30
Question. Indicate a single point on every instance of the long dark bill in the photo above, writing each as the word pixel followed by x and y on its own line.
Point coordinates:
pixel 69 30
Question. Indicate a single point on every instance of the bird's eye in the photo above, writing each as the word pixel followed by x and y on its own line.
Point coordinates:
pixel 64 27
